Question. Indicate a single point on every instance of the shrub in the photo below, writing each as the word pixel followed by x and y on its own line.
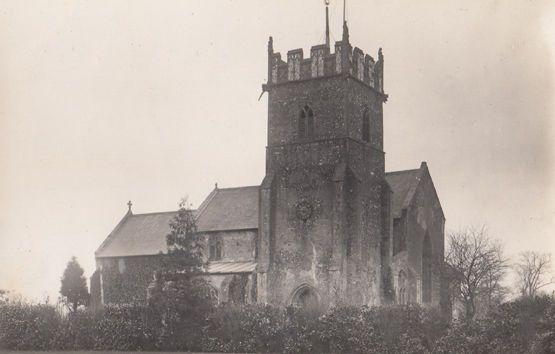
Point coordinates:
pixel 301 331
pixel 350 329
pixel 75 333
pixel 123 327
pixel 252 328
pixel 525 325
pixel 24 326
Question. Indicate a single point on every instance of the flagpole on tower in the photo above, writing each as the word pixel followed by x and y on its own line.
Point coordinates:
pixel 344 6
pixel 327 24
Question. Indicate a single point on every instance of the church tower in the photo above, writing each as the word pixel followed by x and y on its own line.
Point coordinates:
pixel 324 223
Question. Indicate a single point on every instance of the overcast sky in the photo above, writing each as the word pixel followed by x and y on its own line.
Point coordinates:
pixel 102 102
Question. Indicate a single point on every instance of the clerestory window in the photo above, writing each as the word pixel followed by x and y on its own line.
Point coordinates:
pixel 215 248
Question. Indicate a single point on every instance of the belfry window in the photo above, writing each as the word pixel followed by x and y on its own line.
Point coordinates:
pixel 365 125
pixel 306 122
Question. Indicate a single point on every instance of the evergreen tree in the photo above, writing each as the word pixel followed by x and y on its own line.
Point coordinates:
pixel 74 286
pixel 185 247
pixel 181 296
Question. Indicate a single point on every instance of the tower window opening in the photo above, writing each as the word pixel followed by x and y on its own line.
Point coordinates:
pixel 365 125
pixel 306 122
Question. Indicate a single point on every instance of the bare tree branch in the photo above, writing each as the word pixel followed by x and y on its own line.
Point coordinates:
pixel 532 269
pixel 479 266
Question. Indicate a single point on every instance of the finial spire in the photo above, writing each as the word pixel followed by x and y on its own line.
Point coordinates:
pixel 129 205
pixel 344 7
pixel 327 24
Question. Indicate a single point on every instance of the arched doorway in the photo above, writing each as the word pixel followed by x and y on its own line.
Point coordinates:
pixel 305 296
pixel 427 269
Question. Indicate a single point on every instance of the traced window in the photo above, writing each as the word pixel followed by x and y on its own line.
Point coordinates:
pixel 365 125
pixel 215 243
pixel 427 269
pixel 306 122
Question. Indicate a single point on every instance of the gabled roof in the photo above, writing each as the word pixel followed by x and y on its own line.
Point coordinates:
pixel 138 235
pixel 230 209
pixel 145 234
pixel 403 184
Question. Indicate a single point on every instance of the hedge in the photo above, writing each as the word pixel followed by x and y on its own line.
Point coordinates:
pixel 523 326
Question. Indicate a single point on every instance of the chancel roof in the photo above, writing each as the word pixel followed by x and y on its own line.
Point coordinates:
pixel 403 184
pixel 224 209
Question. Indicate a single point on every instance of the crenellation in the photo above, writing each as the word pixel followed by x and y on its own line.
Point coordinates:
pixel 322 62
pixel 317 55
pixel 294 59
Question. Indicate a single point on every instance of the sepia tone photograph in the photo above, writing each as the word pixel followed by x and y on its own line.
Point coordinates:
pixel 248 176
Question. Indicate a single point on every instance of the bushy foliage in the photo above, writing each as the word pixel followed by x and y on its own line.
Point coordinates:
pixel 181 307
pixel 525 325
pixel 123 327
pixel 185 246
pixel 254 328
pixel 25 327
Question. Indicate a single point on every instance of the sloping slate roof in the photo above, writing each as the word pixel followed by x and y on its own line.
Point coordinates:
pixel 138 235
pixel 145 234
pixel 403 184
pixel 230 209
pixel 230 267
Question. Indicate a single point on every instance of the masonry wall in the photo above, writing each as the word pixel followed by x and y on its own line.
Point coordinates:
pixel 336 249
pixel 237 245
pixel 126 279
pixel 424 216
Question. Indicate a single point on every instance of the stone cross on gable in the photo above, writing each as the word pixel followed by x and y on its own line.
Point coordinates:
pixel 129 204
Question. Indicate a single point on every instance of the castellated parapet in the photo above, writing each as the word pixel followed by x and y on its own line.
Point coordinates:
pixel 346 60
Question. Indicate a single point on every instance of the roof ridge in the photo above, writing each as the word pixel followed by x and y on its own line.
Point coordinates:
pixel 402 171
pixel 242 187
pixel 157 212
pixel 202 207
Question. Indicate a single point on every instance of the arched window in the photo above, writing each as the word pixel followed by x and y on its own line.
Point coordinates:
pixel 215 247
pixel 426 269
pixel 305 296
pixel 402 288
pixel 365 125
pixel 306 122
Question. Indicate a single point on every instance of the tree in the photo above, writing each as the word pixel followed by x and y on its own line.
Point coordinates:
pixel 478 264
pixel 74 286
pixel 181 296
pixel 185 246
pixel 532 269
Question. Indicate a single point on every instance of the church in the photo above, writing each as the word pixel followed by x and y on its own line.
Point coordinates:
pixel 327 225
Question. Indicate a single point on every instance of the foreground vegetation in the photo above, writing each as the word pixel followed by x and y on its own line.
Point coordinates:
pixel 526 325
